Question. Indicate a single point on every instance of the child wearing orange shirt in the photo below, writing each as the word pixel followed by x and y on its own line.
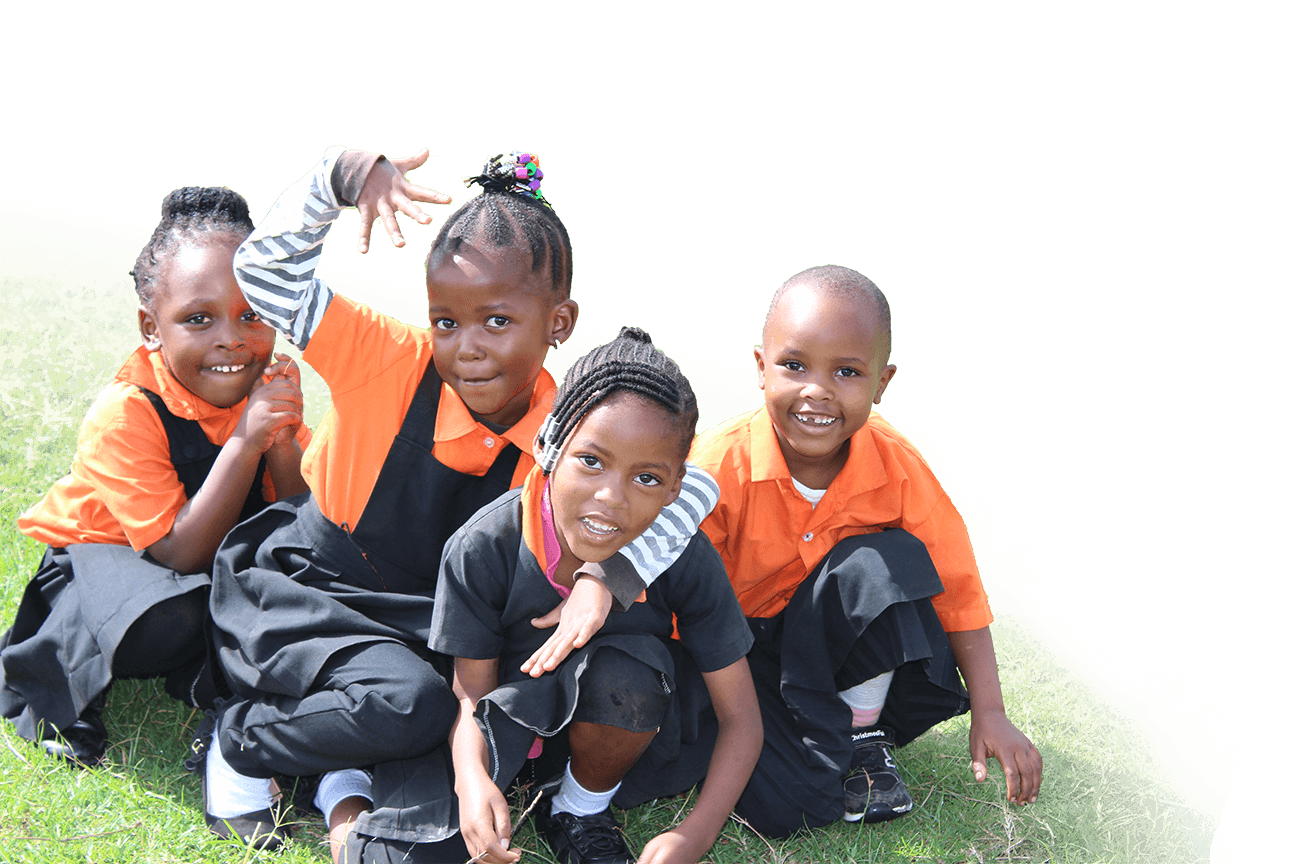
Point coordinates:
pixel 322 609
pixel 193 434
pixel 854 569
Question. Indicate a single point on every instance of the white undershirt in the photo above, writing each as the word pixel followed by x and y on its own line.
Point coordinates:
pixel 812 495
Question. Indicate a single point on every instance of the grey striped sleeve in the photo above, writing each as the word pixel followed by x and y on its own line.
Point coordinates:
pixel 275 266
pixel 661 545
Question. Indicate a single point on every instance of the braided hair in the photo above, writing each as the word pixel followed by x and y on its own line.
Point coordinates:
pixel 189 214
pixel 510 212
pixel 631 364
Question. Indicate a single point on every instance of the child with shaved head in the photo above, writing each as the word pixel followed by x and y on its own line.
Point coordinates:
pixel 854 570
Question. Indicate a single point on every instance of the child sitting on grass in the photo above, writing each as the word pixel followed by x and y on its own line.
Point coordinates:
pixel 321 609
pixel 193 434
pixel 610 457
pixel 854 569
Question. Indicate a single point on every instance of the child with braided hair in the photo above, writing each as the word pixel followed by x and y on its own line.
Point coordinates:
pixel 193 434
pixel 322 609
pixel 631 706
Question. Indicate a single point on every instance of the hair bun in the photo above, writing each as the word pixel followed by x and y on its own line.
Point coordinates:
pixel 635 334
pixel 517 172
pixel 218 203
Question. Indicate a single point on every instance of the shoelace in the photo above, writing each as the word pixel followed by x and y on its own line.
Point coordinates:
pixel 597 835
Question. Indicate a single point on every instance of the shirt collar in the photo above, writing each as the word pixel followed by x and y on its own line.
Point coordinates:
pixel 863 470
pixel 454 420
pixel 145 368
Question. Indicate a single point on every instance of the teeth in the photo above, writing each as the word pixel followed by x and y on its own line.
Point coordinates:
pixel 599 527
pixel 815 419
pixel 238 368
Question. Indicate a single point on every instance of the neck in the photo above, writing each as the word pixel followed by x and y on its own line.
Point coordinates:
pixel 816 473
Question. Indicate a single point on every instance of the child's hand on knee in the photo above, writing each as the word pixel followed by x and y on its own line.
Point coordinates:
pixel 578 617
pixel 386 191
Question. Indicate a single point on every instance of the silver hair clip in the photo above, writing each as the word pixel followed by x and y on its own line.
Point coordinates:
pixel 549 447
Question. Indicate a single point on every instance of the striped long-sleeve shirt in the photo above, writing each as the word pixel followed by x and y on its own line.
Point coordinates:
pixel 275 268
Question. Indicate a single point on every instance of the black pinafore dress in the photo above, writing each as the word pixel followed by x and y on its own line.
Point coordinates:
pixel 77 608
pixel 291 587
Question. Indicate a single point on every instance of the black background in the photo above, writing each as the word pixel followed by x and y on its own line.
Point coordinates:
pixel 1050 308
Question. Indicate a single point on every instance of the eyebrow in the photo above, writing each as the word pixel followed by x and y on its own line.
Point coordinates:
pixel 603 451
pixel 840 361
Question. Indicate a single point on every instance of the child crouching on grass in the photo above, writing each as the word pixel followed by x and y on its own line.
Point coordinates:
pixel 631 706
pixel 854 569
pixel 193 434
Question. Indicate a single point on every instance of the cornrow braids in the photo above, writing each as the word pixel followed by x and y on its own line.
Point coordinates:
pixel 189 214
pixel 510 212
pixel 629 363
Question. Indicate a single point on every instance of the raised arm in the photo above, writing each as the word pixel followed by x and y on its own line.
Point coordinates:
pixel 275 266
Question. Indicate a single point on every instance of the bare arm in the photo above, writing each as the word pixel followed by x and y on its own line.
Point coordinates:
pixel 483 811
pixel 992 733
pixel 737 748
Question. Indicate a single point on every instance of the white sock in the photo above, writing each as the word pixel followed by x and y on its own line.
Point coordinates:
pixel 866 700
pixel 337 786
pixel 230 793
pixel 576 799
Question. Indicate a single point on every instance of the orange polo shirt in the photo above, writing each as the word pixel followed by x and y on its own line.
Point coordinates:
pixel 372 364
pixel 123 489
pixel 771 537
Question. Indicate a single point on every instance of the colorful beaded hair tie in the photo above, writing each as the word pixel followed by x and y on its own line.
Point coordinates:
pixel 517 172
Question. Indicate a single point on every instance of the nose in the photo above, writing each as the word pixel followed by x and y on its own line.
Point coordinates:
pixel 611 494
pixel 229 333
pixel 470 346
pixel 815 391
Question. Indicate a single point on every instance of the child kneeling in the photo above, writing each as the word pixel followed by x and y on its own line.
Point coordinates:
pixel 631 704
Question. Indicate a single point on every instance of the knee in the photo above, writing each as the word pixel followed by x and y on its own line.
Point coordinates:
pixel 618 690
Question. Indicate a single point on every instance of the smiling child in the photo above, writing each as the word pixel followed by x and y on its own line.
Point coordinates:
pixel 194 433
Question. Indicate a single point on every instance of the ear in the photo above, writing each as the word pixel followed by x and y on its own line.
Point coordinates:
pixel 149 329
pixel 759 351
pixel 562 319
pixel 536 449
pixel 679 484
pixel 883 380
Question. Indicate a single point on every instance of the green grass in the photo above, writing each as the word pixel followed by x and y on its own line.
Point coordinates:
pixel 1102 799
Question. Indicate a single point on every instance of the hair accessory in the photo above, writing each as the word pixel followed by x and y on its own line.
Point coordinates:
pixel 548 448
pixel 517 172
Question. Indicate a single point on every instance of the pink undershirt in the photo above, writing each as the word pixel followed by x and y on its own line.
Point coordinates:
pixel 552 548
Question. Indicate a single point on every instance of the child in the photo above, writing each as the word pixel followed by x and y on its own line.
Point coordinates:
pixel 322 610
pixel 851 565
pixel 611 456
pixel 172 454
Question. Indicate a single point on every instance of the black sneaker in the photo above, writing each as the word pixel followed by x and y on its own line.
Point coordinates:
pixel 575 839
pixel 874 790
pixel 83 743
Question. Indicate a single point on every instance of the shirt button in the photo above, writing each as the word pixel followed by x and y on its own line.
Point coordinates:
pixel 489 442
pixel 808 536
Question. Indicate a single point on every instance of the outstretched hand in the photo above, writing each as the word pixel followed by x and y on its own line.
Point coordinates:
pixel 386 191
pixel 995 736
pixel 578 618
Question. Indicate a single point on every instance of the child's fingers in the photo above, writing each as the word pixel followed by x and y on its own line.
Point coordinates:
pixel 978 760
pixel 388 214
pixel 409 163
pixel 426 195
pixel 367 217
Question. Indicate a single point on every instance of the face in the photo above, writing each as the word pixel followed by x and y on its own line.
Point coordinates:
pixel 493 322
pixel 822 372
pixel 619 468
pixel 210 339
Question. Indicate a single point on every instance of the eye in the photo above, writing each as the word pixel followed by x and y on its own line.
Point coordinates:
pixel 792 366
pixel 648 480
pixel 497 321
pixel 198 318
pixel 589 461
pixel 848 372
pixel 444 324
pixel 251 316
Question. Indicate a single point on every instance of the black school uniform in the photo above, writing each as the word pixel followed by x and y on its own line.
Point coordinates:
pixel 492 586
pixel 79 606
pixel 322 633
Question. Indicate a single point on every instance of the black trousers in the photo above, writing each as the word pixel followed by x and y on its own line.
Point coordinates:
pixel 863 611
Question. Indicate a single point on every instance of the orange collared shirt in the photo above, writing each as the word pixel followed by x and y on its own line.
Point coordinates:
pixel 372 364
pixel 123 489
pixel 771 537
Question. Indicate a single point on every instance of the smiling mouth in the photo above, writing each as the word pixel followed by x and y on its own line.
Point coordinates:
pixel 815 419
pixel 598 527
pixel 228 369
pixel 476 382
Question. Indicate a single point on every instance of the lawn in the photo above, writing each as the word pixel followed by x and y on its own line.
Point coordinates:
pixel 1102 799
